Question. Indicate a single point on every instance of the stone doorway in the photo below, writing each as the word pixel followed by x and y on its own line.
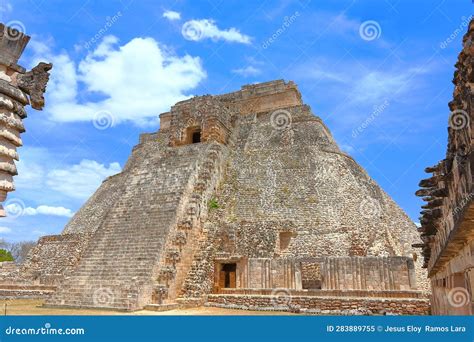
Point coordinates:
pixel 196 137
pixel 193 135
pixel 228 276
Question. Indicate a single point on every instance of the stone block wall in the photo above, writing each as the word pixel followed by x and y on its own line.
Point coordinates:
pixel 54 257
pixel 447 229
pixel 323 305
pixel 282 190
pixel 273 273
pixel 262 97
pixel 296 181
pixel 206 115
pixel 369 273
pixel 91 215
pixel 136 219
pixel 332 273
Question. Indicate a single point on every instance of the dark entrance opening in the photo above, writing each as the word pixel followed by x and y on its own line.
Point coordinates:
pixel 196 138
pixel 227 277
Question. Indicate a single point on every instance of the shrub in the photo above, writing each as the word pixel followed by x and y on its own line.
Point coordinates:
pixel 5 255
pixel 213 204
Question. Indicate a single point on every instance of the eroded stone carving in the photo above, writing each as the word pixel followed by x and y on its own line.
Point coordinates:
pixel 34 83
pixel 18 88
pixel 447 228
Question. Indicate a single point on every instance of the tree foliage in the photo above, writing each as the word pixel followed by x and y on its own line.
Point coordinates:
pixel 5 255
pixel 18 250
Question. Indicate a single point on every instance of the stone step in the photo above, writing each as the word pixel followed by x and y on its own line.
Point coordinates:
pixel 162 307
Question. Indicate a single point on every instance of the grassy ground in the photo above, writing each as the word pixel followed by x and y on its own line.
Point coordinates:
pixel 34 307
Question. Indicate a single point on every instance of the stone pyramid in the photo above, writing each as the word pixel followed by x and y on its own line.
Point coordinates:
pixel 246 177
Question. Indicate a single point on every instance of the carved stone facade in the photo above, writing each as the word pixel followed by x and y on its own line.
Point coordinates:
pixel 447 221
pixel 18 88
pixel 205 119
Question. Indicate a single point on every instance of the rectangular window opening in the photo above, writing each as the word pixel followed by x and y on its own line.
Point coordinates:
pixel 196 138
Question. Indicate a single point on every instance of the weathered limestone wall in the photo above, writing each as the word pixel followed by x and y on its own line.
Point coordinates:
pixel 207 114
pixel 330 273
pixel 262 97
pixel 280 188
pixel 296 180
pixel 138 221
pixel 447 228
pixel 179 252
pixel 54 257
pixel 7 267
pixel 450 285
pixel 91 215
pixel 18 88
pixel 272 273
pixel 25 291
pixel 369 273
pixel 323 305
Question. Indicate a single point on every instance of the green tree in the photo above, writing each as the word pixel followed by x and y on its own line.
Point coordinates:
pixel 5 255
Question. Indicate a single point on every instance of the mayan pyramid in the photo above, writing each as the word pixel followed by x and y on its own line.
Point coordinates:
pixel 246 190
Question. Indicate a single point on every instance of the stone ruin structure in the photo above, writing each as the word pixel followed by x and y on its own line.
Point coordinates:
pixel 241 200
pixel 447 221
pixel 18 88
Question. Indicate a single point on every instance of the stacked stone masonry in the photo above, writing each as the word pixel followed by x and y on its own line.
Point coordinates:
pixel 18 88
pixel 323 305
pixel 447 218
pixel 233 187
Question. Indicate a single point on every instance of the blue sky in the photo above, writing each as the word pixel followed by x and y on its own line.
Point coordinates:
pixel 377 72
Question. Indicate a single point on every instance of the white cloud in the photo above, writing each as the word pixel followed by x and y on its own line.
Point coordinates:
pixel 80 180
pixel 172 15
pixel 48 210
pixel 201 29
pixel 5 230
pixel 42 180
pixel 247 71
pixel 360 84
pixel 140 72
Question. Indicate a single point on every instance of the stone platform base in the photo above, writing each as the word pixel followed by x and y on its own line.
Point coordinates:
pixel 161 307
pixel 26 291
pixel 323 305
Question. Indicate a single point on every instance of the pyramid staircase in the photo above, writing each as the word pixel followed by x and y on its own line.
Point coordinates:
pixel 181 250
pixel 147 233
